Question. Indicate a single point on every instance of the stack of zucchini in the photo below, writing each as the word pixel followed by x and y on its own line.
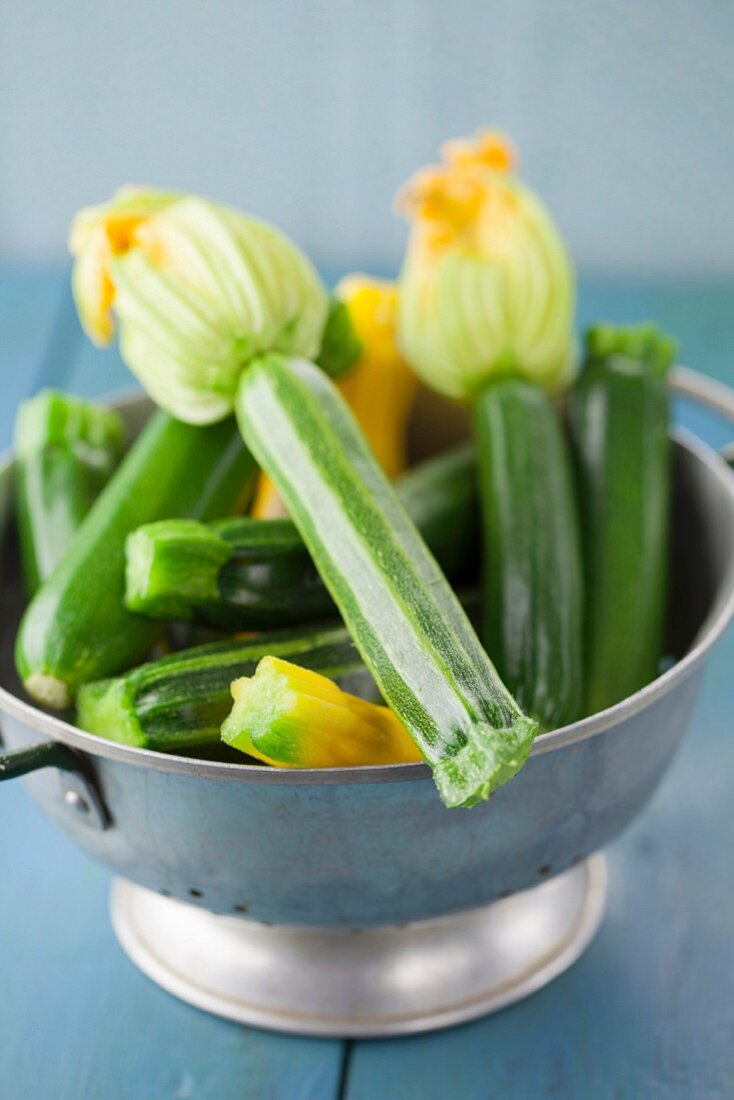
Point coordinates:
pixel 242 574
pixel 558 506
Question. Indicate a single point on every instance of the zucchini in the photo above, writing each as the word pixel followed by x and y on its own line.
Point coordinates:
pixel 186 634
pixel 405 620
pixel 440 496
pixel 76 628
pixel 179 702
pixel 238 574
pixel 65 451
pixel 295 717
pixel 532 570
pixel 619 419
pixel 250 574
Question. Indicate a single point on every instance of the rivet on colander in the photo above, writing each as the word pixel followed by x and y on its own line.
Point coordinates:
pixel 75 801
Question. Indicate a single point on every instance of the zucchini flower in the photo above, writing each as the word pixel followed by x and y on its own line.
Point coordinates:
pixel 296 718
pixel 487 287
pixel 198 290
pixel 486 316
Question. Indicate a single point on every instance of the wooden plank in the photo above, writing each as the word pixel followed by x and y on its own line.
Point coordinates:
pixel 81 1020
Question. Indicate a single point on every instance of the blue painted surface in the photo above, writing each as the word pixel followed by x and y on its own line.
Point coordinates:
pixel 648 1012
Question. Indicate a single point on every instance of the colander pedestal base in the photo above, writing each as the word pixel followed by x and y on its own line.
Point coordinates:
pixel 349 982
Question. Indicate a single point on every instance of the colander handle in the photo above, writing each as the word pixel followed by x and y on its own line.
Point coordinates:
pixel 706 391
pixel 45 754
pixel 79 791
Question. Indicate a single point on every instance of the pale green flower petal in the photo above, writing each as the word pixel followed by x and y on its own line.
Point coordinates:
pixel 487 286
pixel 197 290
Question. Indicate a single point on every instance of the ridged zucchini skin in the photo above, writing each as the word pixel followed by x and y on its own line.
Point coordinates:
pixel 237 574
pixel 179 702
pixel 76 628
pixel 253 574
pixel 440 495
pixel 405 620
pixel 532 571
pixel 619 421
pixel 185 635
pixel 66 449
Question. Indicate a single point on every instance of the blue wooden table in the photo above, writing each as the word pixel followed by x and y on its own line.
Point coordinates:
pixel 648 1012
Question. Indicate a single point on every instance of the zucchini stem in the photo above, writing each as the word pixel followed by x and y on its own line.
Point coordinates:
pixel 172 566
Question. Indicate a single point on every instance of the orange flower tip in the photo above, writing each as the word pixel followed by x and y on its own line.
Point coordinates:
pixel 449 196
pixel 105 219
pixel 440 195
pixel 487 149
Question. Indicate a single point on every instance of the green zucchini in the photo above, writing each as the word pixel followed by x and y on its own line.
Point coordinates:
pixel 65 451
pixel 250 574
pixel 76 628
pixel 440 496
pixel 182 634
pixel 180 702
pixel 619 420
pixel 407 623
pixel 533 576
pixel 238 574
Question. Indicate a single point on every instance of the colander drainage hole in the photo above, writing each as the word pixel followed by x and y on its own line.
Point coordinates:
pixel 241 908
pixel 195 893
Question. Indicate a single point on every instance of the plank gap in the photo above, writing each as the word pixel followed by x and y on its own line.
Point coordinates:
pixel 343 1082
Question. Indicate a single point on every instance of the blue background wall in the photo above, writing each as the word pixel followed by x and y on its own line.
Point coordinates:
pixel 312 112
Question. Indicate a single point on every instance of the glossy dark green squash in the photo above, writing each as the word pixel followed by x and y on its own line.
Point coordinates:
pixel 255 574
pixel 76 628
pixel 179 702
pixel 619 419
